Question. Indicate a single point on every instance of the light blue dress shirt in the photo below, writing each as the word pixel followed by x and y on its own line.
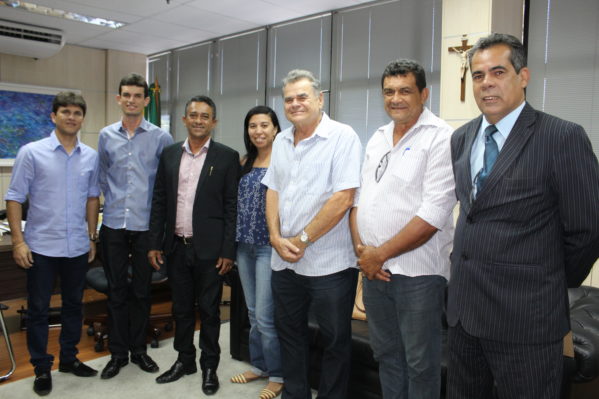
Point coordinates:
pixel 58 185
pixel 127 173
pixel 305 176
pixel 504 127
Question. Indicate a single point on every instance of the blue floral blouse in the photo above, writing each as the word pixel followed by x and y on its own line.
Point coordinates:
pixel 251 205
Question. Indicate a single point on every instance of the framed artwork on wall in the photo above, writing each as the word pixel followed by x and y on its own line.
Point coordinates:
pixel 24 116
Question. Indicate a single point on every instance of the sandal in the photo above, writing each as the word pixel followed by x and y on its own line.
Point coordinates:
pixel 268 394
pixel 242 379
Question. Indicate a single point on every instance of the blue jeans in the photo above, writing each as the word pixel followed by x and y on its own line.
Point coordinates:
pixel 253 262
pixel 404 323
pixel 40 283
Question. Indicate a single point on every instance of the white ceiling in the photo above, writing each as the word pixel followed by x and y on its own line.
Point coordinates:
pixel 154 26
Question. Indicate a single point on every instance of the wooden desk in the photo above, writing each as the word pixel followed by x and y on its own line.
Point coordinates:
pixel 13 279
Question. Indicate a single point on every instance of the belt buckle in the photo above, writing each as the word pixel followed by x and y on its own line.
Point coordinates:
pixel 186 240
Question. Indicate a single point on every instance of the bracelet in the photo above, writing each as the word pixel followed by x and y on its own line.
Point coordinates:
pixel 15 246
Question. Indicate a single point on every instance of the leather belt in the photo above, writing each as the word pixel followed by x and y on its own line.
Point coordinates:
pixel 183 240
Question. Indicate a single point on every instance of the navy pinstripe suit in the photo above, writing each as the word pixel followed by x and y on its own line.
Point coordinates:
pixel 530 233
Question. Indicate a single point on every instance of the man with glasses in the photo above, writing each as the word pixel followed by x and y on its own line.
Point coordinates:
pixel 402 230
pixel 313 174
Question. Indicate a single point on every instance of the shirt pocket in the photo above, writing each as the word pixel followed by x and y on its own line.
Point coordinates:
pixel 409 169
pixel 83 181
pixel 316 177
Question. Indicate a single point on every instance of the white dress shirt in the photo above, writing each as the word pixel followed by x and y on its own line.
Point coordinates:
pixel 418 181
pixel 305 176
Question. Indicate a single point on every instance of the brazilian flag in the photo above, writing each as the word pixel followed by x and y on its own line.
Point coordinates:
pixel 152 111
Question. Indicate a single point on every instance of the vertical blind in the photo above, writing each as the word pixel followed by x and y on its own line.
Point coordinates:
pixel 366 40
pixel 563 57
pixel 191 77
pixel 239 83
pixel 347 50
pixel 303 44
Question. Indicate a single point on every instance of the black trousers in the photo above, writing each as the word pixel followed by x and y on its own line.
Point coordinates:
pixel 40 282
pixel 194 281
pixel 523 371
pixel 128 303
pixel 331 299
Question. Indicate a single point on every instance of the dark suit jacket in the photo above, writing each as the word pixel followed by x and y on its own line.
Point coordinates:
pixel 214 207
pixel 532 231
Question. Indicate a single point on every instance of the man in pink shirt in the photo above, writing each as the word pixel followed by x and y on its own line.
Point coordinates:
pixel 192 223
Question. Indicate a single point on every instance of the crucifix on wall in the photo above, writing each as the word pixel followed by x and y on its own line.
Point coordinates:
pixel 462 51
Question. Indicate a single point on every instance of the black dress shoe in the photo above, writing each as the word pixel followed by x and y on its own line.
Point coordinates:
pixel 113 367
pixel 145 362
pixel 177 371
pixel 77 368
pixel 42 385
pixel 209 382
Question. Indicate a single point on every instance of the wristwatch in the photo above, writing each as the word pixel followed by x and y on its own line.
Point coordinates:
pixel 93 236
pixel 304 239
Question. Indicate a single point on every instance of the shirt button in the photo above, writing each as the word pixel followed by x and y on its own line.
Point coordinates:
pixel 127 210
pixel 129 154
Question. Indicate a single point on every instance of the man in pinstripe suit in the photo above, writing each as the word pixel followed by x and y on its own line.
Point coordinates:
pixel 528 187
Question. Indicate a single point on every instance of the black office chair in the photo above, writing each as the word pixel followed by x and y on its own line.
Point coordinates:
pixel 97 325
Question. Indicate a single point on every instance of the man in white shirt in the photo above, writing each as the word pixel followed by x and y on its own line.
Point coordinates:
pixel 402 230
pixel 313 174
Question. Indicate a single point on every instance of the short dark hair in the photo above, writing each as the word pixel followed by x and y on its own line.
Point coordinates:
pixel 404 67
pixel 517 51
pixel 66 98
pixel 202 99
pixel 133 79
pixel 252 151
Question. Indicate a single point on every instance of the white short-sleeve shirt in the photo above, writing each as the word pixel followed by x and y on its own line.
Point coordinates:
pixel 418 181
pixel 305 176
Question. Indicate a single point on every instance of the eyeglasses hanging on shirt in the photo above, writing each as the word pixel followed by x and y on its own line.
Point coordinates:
pixel 380 170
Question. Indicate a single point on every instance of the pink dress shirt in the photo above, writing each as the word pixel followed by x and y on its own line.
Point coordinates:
pixel 189 175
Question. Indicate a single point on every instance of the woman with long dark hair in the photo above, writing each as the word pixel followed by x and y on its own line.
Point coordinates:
pixel 253 254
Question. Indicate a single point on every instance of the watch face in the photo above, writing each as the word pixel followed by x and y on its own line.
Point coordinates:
pixel 304 238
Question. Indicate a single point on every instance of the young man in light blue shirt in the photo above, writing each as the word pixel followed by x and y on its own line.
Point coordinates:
pixel 129 152
pixel 59 177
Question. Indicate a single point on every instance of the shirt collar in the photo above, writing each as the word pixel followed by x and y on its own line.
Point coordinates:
pixel 144 126
pixel 203 149
pixel 55 143
pixel 506 124
pixel 321 130
pixel 426 118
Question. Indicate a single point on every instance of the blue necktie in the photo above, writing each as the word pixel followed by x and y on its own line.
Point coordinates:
pixel 491 152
